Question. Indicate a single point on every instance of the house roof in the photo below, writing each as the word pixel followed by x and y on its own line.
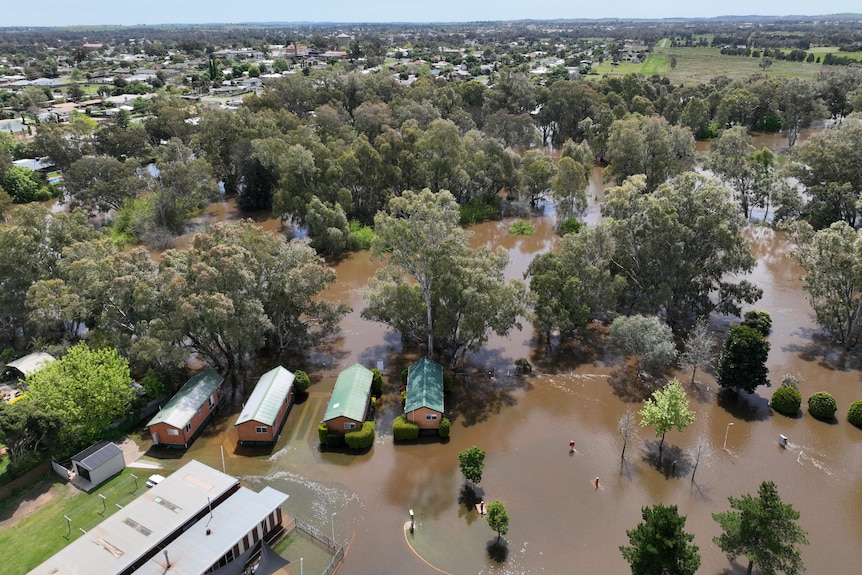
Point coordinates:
pixel 142 525
pixel 178 412
pixel 195 551
pixel 350 395
pixel 31 363
pixel 97 455
pixel 269 395
pixel 424 386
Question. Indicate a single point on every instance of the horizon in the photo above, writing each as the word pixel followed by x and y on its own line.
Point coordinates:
pixel 56 14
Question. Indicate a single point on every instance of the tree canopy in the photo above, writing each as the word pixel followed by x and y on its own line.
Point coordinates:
pixel 667 409
pixel 472 462
pixel 659 545
pixel 742 360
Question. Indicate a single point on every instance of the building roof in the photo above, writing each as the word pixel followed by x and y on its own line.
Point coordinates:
pixel 134 531
pixel 194 551
pixel 424 386
pixel 97 455
pixel 178 412
pixel 31 363
pixel 350 395
pixel 270 393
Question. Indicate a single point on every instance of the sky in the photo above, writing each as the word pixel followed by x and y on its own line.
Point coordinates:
pixel 90 12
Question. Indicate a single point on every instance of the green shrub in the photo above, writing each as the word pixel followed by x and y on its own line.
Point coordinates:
pixel 403 398
pixel 822 405
pixel 322 431
pixel 786 400
pixel 404 430
pixel 522 228
pixel 523 365
pixel 448 382
pixel 361 234
pixel 300 381
pixel 404 376
pixel 570 226
pixel 376 381
pixel 759 320
pixel 361 438
pixel 154 384
pixel 854 414
pixel 477 211
pixel 445 427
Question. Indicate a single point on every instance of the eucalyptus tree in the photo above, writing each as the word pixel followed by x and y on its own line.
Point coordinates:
pixel 731 160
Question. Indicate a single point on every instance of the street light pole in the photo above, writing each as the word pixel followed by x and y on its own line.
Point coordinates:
pixel 725 434
pixel 332 521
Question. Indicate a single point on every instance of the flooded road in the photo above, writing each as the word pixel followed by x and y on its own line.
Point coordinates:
pixel 559 521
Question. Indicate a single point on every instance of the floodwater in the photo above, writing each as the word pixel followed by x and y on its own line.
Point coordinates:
pixel 559 521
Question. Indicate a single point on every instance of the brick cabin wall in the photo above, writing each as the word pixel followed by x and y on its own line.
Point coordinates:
pixel 197 421
pixel 336 425
pixel 418 416
pixel 247 431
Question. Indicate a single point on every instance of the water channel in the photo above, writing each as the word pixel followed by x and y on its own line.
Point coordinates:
pixel 559 521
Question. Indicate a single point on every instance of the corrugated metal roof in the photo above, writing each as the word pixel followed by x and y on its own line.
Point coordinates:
pixel 350 395
pixel 194 551
pixel 424 386
pixel 97 455
pixel 268 396
pixel 31 363
pixel 178 412
pixel 130 533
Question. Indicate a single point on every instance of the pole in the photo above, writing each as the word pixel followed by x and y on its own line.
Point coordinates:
pixel 332 521
pixel 223 468
pixel 300 566
pixel 727 429
pixel 135 477
pixel 104 504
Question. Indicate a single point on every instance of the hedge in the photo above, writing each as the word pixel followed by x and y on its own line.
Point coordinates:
pixel 404 430
pixel 854 414
pixel 322 431
pixel 822 405
pixel 445 427
pixel 376 381
pixel 300 381
pixel 361 438
pixel 448 384
pixel 786 400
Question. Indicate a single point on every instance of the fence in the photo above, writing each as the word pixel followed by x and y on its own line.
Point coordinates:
pixel 336 549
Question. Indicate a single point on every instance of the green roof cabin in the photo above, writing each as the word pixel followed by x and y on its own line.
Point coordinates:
pixel 181 419
pixel 350 400
pixel 424 404
pixel 263 415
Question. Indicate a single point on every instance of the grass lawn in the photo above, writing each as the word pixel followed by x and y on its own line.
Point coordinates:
pixel 41 534
pixel 823 50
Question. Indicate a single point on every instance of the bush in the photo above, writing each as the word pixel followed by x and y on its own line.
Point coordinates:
pixel 477 211
pixel 786 400
pixel 322 431
pixel 570 226
pixel 448 384
pixel 523 365
pixel 854 414
pixel 759 320
pixel 522 228
pixel 404 430
pixel 445 427
pixel 822 405
pixel 361 438
pixel 301 381
pixel 404 376
pixel 376 381
pixel 361 234
pixel 154 384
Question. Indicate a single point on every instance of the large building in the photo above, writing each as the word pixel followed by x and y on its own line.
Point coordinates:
pixel 198 519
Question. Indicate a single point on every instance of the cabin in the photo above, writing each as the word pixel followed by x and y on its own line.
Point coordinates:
pixel 350 400
pixel 424 403
pixel 183 417
pixel 263 416
pixel 29 364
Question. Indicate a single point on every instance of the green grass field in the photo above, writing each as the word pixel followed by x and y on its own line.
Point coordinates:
pixel 823 50
pixel 43 533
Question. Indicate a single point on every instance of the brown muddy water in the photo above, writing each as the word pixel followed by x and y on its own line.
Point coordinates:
pixel 559 521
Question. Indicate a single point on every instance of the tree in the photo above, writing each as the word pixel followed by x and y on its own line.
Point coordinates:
pixel 659 545
pixel 498 518
pixel 183 184
pixel 731 159
pixel 798 104
pixel 832 260
pixel 101 183
pixel 742 360
pixel 648 339
pixel 627 426
pixel 472 462
pixel 26 427
pixel 569 189
pixel 667 409
pixel 699 344
pixel 701 450
pixel 87 388
pixel 23 185
pixel 764 530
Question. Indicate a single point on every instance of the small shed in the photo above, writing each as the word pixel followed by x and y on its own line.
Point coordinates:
pixel 263 416
pixel 24 366
pixel 182 418
pixel 350 400
pixel 96 464
pixel 424 403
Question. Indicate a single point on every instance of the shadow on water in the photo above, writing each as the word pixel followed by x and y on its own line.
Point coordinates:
pixel 744 406
pixel 627 386
pixel 498 550
pixel 476 396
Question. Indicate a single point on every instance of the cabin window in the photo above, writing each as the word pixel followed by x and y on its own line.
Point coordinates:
pixel 189 426
pixel 261 429
pixel 212 401
pixel 173 431
pixel 431 416
pixel 349 425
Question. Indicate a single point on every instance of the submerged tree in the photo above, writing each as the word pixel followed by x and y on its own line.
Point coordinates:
pixel 647 339
pixel 659 545
pixel 627 426
pixel 498 518
pixel 742 361
pixel 472 462
pixel 763 529
pixel 667 409
pixel 699 346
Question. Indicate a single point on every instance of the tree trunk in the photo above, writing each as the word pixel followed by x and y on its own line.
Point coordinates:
pixel 750 566
pixel 660 445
